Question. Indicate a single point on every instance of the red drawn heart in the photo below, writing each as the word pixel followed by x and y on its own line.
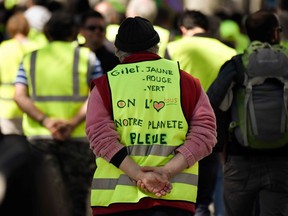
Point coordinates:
pixel 158 105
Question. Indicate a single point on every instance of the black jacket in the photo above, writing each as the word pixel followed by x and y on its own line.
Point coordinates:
pixel 229 74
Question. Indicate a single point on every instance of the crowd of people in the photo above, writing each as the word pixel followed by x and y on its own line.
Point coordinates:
pixel 132 108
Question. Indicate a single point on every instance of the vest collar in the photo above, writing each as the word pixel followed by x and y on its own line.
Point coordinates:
pixel 140 56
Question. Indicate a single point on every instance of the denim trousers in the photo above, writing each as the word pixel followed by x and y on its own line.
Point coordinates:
pixel 72 164
pixel 256 185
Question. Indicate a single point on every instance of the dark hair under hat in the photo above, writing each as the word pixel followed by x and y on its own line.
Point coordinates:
pixel 136 34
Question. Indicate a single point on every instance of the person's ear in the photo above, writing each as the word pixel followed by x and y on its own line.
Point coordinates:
pixel 183 30
pixel 276 37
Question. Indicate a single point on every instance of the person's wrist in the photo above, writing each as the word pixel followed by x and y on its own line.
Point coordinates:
pixel 167 173
pixel 72 124
pixel 139 175
pixel 41 121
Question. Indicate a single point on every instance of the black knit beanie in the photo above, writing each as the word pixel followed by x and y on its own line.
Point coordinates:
pixel 136 34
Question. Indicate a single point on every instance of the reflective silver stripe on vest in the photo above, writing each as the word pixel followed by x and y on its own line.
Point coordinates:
pixel 75 97
pixel 144 150
pixel 110 184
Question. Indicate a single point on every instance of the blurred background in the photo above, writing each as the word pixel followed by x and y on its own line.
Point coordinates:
pixel 168 11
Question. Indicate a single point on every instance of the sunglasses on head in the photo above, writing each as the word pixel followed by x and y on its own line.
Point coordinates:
pixel 94 27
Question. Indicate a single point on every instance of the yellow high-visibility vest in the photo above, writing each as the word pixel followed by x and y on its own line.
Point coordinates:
pixel 57 83
pixel 146 102
pixel 201 57
pixel 164 35
pixel 11 54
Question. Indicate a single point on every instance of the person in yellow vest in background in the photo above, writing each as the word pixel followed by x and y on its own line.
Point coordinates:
pixel 12 51
pixel 52 88
pixel 24 178
pixel 202 56
pixel 230 33
pixel 255 175
pixel 149 123
pixel 148 9
pixel 199 53
pixel 9 4
pixel 37 15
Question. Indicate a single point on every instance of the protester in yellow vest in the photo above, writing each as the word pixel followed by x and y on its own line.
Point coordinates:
pixel 24 178
pixel 201 55
pixel 51 88
pixel 198 53
pixel 11 54
pixel 230 33
pixel 10 4
pixel 149 123
pixel 37 15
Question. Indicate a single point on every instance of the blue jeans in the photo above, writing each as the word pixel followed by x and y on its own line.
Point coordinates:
pixel 255 182
pixel 72 165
